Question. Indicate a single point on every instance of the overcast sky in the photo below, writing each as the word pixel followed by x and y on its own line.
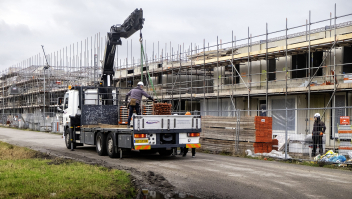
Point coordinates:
pixel 25 25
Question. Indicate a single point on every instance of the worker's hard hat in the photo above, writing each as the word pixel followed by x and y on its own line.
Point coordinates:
pixel 317 115
pixel 188 113
pixel 140 84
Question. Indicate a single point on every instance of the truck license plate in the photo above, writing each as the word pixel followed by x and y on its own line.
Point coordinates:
pixel 141 141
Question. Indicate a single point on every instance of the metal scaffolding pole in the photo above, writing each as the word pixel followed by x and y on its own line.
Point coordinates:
pixel 335 39
pixel 232 73
pixel 248 76
pixel 286 92
pixel 191 75
pixel 172 76
pixel 267 68
pixel 179 76
pixel 219 76
pixel 309 74
pixel 204 81
pixel 330 52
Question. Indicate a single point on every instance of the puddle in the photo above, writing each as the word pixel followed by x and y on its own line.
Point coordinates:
pixel 157 195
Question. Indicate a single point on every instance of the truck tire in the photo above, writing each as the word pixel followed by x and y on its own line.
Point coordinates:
pixel 68 139
pixel 164 152
pixel 110 143
pixel 101 144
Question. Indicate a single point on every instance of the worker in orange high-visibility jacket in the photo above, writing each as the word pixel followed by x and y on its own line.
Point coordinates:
pixel 317 134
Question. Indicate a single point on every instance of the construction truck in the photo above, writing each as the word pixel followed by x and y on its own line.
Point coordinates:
pixel 91 113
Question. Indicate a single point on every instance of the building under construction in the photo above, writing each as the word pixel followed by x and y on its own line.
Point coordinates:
pixel 287 74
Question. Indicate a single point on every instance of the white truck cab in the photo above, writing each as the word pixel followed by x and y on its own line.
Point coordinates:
pixel 70 107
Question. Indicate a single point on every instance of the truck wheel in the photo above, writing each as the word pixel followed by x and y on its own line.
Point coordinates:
pixel 101 142
pixel 68 139
pixel 164 152
pixel 110 146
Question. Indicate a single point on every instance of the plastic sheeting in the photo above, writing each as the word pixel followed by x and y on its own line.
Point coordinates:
pixel 279 117
pixel 331 157
pixel 273 154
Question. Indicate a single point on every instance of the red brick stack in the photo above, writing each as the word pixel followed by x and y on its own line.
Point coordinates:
pixel 262 147
pixel 263 134
pixel 275 144
pixel 162 109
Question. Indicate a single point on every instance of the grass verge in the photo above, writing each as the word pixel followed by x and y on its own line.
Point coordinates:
pixel 25 173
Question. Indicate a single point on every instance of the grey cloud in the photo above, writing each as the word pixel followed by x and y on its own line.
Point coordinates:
pixel 182 21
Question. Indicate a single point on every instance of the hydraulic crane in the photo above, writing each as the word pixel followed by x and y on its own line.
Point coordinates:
pixel 132 24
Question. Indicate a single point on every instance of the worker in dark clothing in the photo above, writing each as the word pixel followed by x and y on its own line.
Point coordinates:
pixel 136 97
pixel 317 134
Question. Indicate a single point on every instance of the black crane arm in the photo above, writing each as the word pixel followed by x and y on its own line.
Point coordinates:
pixel 132 24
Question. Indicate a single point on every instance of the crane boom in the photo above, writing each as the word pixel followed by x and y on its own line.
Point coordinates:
pixel 132 24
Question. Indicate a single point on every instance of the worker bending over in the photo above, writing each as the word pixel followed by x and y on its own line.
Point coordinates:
pixel 136 97
pixel 317 134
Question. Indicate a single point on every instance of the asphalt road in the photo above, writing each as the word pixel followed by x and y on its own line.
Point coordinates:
pixel 207 175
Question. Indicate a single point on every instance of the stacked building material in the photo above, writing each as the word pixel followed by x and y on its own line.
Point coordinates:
pixel 227 146
pixel 224 128
pixel 263 134
pixel 219 134
pixel 263 147
pixel 299 144
pixel 147 109
pixel 123 115
pixel 345 135
pixel 162 109
pixel 275 144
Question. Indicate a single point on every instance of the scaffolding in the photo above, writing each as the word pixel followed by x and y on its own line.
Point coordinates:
pixel 310 64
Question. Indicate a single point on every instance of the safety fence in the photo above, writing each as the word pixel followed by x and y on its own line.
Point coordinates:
pixel 48 122
pixel 291 133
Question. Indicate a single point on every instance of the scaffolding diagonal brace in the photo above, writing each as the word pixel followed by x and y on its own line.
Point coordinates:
pixel 239 75
pixel 321 64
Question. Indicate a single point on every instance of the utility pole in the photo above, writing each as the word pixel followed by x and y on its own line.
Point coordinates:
pixel 3 99
pixel 95 67
pixel 45 68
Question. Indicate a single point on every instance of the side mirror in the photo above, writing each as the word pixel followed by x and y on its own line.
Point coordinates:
pixel 59 109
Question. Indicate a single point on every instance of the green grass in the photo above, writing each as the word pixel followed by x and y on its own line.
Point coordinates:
pixel 27 177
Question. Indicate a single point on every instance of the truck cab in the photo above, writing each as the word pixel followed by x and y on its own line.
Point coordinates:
pixel 69 107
